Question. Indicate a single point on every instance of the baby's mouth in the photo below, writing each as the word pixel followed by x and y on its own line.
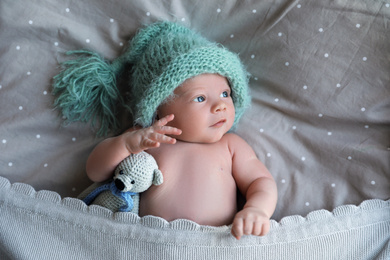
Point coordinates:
pixel 219 123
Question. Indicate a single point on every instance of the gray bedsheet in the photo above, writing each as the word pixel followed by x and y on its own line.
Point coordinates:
pixel 320 82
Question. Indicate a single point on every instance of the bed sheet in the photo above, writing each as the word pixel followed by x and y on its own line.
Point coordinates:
pixel 320 81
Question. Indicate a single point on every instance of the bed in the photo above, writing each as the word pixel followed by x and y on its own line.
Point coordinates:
pixel 319 120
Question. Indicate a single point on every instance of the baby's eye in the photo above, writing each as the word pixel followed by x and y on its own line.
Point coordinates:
pixel 199 99
pixel 225 94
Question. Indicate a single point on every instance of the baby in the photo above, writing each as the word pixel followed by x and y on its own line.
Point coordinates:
pixel 202 166
pixel 187 94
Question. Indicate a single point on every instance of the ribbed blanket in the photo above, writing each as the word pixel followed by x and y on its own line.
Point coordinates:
pixel 42 225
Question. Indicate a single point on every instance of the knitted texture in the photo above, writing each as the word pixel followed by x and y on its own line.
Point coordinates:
pixel 107 200
pixel 124 203
pixel 161 57
pixel 135 174
pixel 138 172
pixel 165 55
pixel 86 91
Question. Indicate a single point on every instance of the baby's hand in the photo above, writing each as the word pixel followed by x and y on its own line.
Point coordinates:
pixel 151 137
pixel 250 221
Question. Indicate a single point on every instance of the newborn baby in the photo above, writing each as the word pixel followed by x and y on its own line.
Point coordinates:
pixel 186 95
pixel 202 164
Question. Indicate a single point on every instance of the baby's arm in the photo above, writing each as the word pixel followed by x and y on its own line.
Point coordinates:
pixel 109 153
pixel 257 185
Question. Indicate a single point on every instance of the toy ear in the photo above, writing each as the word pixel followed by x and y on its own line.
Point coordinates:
pixel 157 177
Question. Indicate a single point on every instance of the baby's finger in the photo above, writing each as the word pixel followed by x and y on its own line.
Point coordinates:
pixel 237 228
pixel 257 228
pixel 167 139
pixel 248 227
pixel 148 143
pixel 167 130
pixel 265 229
pixel 162 138
pixel 165 120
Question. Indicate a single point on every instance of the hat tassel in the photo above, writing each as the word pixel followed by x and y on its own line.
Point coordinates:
pixel 86 91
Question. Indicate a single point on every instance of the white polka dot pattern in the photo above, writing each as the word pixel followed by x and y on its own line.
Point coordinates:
pixel 319 82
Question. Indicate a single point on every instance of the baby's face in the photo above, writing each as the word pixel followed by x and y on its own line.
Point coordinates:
pixel 203 109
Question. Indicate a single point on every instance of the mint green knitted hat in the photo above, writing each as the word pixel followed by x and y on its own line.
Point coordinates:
pixel 161 56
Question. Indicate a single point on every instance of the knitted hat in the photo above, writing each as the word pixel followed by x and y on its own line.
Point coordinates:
pixel 162 56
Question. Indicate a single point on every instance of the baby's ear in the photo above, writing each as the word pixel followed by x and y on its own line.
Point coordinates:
pixel 157 177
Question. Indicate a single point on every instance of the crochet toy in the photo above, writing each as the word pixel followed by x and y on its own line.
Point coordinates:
pixel 133 175
pixel 159 59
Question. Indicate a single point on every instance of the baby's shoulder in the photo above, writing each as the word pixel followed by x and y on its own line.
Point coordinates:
pixel 232 138
pixel 235 142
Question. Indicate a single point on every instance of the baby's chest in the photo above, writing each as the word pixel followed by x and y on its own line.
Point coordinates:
pixel 195 163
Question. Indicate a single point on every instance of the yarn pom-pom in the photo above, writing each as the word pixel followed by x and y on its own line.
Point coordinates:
pixel 86 91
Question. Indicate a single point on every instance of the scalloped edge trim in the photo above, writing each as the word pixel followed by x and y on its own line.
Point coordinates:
pixel 182 224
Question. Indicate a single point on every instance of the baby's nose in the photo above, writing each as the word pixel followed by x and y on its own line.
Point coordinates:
pixel 219 106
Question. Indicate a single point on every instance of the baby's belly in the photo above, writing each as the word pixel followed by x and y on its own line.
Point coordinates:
pixel 207 200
